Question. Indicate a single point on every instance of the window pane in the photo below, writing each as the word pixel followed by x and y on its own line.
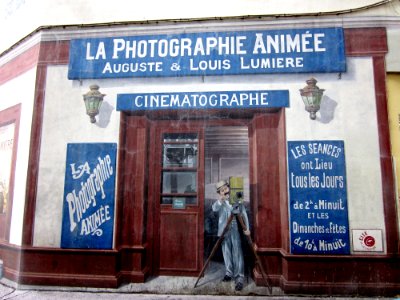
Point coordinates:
pixel 180 137
pixel 180 155
pixel 179 182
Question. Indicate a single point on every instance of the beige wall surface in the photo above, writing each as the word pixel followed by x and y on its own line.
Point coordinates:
pixel 393 89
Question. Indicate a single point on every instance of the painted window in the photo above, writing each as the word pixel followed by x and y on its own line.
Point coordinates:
pixel 179 172
pixel 9 125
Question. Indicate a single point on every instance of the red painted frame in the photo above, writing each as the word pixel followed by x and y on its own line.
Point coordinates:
pixel 164 214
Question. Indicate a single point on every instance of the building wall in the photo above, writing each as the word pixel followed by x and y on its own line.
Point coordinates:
pixel 20 90
pixel 347 113
pixel 353 110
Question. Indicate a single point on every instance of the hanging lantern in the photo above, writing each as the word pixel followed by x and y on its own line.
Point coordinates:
pixel 312 96
pixel 93 100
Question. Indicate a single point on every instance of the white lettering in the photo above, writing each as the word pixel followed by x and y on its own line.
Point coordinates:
pixel 259 44
pixel 119 45
pixel 79 201
pixel 88 55
pixel 101 51
pixel 193 100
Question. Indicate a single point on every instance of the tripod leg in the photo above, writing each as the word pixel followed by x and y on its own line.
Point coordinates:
pixel 258 261
pixel 214 249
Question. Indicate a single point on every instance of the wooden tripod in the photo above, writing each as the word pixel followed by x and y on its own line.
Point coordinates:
pixel 237 215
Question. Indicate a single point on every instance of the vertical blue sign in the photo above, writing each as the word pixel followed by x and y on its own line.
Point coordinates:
pixel 318 198
pixel 89 196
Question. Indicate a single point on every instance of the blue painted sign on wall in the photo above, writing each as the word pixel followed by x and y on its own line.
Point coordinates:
pixel 203 100
pixel 318 197
pixel 209 53
pixel 89 196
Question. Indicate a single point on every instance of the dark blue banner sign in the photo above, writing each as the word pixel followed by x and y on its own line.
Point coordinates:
pixel 318 198
pixel 210 53
pixel 89 196
pixel 203 100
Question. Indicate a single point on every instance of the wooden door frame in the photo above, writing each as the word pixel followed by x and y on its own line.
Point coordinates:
pixel 156 132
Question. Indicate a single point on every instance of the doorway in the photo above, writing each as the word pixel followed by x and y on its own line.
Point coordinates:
pixel 226 153
pixel 178 160
pixel 189 159
pixel 168 238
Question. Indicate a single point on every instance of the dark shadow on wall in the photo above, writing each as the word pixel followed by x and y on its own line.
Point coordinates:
pixel 103 119
pixel 327 110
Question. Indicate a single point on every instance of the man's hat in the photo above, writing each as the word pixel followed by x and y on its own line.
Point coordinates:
pixel 220 184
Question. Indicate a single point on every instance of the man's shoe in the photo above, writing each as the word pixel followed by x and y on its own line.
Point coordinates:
pixel 227 278
pixel 239 286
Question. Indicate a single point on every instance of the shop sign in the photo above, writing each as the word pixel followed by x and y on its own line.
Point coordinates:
pixel 318 197
pixel 179 203
pixel 309 50
pixel 89 196
pixel 203 100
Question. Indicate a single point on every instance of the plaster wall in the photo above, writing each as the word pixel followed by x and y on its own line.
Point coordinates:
pixel 65 121
pixel 392 59
pixel 20 90
pixel 348 113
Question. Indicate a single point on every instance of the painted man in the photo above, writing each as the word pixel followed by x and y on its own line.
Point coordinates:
pixel 231 244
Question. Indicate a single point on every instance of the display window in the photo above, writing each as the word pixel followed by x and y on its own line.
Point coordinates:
pixel 9 124
pixel 179 169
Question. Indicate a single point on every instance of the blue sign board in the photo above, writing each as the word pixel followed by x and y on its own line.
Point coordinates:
pixel 318 198
pixel 203 100
pixel 89 196
pixel 209 53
